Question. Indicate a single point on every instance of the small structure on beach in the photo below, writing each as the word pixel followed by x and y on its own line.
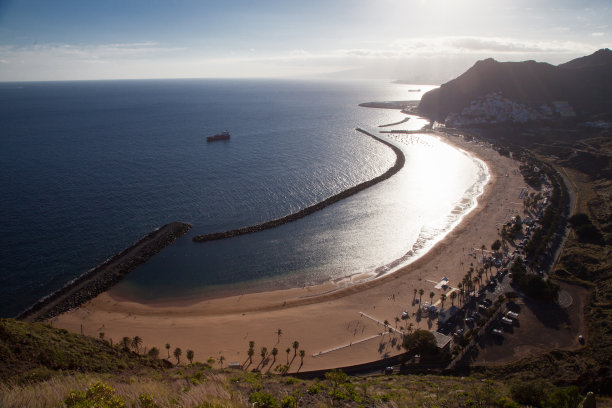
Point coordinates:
pixel 442 341
pixel 443 284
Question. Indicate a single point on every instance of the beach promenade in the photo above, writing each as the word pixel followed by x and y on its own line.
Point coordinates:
pixel 324 319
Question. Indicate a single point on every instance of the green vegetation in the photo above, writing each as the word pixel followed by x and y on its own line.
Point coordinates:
pixel 420 342
pixel 533 285
pixel 35 351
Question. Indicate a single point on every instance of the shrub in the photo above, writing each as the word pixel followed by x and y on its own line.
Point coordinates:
pixel 289 401
pixel 533 393
pixel 263 400
pixel 99 395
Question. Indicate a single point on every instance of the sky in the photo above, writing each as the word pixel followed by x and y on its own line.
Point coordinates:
pixel 424 41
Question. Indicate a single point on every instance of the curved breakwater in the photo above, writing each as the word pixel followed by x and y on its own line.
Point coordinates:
pixel 399 163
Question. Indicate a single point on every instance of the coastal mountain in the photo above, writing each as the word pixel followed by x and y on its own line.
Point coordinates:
pixel 584 83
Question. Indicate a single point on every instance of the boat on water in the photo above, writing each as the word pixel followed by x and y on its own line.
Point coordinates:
pixel 221 136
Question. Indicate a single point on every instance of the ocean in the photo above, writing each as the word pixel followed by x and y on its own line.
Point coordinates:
pixel 87 168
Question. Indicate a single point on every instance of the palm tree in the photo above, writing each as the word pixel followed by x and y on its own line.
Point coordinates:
pixel 453 296
pixel 397 320
pixel 302 354
pixel 386 323
pixel 250 354
pixel 296 344
pixel 431 296
pixel 415 292
pixel 177 354
pixel 190 356
pixel 153 353
pixel 476 281
pixel 288 350
pixel 421 292
pixel 221 360
pixel 263 354
pixel 442 299
pixel 136 342
pixel 126 342
pixel 168 348
pixel 410 326
pixel 251 344
pixel 101 335
pixel 279 333
pixel 274 354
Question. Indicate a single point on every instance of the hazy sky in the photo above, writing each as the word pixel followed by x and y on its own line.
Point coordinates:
pixel 414 39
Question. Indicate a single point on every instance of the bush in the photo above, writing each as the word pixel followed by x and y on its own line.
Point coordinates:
pixel 263 400
pixel 289 401
pixel 99 395
pixel 534 393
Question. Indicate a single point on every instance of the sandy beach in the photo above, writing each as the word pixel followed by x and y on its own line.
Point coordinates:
pixel 335 326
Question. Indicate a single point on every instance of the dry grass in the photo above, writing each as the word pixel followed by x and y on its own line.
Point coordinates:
pixel 165 392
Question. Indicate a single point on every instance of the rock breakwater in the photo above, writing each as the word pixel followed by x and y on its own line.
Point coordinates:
pixel 104 276
pixel 399 163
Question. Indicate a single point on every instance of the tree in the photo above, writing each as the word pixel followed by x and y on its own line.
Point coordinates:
pixel 288 350
pixel 264 352
pixel 415 292
pixel 336 378
pixel 136 342
pixel 126 342
pixel 421 292
pixel 386 323
pixel 397 320
pixel 496 245
pixel 453 296
pixel 221 360
pixel 168 348
pixel 190 356
pixel 431 296
pixel 302 354
pixel 101 335
pixel 250 354
pixel 153 353
pixel 296 344
pixel 420 342
pixel 279 333
pixel 443 298
pixel 177 354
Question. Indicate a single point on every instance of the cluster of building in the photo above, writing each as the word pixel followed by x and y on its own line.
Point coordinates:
pixel 494 109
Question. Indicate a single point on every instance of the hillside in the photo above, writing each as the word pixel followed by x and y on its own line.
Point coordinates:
pixel 585 83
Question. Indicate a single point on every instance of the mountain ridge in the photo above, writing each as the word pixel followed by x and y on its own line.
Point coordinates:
pixel 585 82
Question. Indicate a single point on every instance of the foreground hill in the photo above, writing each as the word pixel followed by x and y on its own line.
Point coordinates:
pixel 585 83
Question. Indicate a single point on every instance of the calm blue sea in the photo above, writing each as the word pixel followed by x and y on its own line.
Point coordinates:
pixel 87 168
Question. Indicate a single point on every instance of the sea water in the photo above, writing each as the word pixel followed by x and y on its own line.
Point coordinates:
pixel 87 168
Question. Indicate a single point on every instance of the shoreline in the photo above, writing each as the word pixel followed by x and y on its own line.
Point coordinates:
pixel 104 276
pixel 336 288
pixel 400 160
pixel 323 317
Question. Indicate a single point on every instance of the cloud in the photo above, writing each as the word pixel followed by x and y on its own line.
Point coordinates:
pixel 154 60
pixel 598 34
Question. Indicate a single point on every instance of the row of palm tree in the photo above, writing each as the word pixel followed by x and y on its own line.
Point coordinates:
pixel 264 351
